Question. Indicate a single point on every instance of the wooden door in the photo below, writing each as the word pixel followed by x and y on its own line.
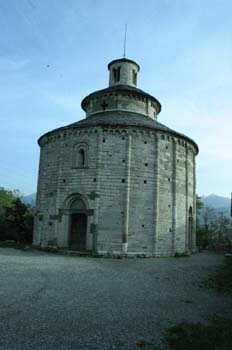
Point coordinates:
pixel 78 232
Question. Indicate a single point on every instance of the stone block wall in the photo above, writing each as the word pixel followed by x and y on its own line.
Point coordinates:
pixel 138 187
pixel 120 100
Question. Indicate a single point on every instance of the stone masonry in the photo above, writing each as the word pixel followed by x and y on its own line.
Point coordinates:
pixel 118 181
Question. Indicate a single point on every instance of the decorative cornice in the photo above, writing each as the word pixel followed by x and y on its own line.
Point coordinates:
pixel 61 134
pixel 123 60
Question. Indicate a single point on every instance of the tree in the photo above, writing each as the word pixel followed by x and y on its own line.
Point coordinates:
pixel 20 221
pixel 201 231
pixel 16 220
pixel 6 199
pixel 211 227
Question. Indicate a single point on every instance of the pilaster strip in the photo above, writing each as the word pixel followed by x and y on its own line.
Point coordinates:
pixel 58 187
pixel 174 209
pixel 127 195
pixel 98 186
pixel 156 197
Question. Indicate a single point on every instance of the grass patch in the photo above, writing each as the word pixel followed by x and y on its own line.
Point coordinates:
pixel 195 336
pixel 20 246
pixel 221 279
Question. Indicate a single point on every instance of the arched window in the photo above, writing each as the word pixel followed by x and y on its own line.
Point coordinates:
pixel 81 157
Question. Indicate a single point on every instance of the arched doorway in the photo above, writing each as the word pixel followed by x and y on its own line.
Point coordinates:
pixel 190 229
pixel 78 225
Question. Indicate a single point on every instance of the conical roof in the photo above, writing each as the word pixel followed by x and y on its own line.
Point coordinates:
pixel 123 119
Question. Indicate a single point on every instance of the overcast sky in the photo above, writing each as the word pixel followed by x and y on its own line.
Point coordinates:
pixel 53 53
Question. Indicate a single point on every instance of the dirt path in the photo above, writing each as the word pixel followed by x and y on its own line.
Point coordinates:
pixel 51 301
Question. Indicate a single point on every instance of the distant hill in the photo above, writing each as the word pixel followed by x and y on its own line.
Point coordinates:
pixel 215 201
pixel 29 199
pixel 219 203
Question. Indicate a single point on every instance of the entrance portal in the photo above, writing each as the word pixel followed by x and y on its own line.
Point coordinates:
pixel 78 232
pixel 78 225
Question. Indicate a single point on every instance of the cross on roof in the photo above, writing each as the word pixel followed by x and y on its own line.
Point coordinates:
pixel 104 105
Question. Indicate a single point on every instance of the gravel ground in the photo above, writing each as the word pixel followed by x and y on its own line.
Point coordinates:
pixel 50 301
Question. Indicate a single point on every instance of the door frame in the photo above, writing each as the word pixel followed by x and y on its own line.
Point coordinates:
pixel 83 212
pixel 67 210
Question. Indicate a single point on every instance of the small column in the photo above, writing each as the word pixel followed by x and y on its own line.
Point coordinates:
pixel 127 197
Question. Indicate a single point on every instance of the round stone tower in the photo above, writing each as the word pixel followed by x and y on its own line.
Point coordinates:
pixel 118 181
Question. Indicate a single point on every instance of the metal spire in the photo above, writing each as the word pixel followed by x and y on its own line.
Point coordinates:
pixel 124 51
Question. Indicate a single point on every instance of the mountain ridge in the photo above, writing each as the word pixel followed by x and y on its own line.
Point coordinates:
pixel 219 203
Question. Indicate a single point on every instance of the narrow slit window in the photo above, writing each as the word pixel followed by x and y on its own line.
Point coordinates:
pixel 81 157
pixel 116 73
pixel 134 77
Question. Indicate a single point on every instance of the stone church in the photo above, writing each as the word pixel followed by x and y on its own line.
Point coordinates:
pixel 117 182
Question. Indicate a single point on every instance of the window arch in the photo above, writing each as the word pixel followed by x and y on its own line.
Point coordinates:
pixel 80 156
pixel 78 204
